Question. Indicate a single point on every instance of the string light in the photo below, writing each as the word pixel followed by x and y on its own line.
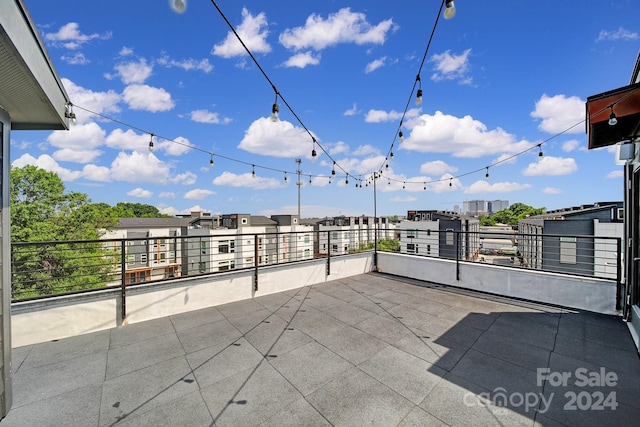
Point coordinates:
pixel 403 184
pixel 486 176
pixel 151 144
pixel 540 152
pixel 253 171
pixel 275 109
pixel 391 154
pixel 451 182
pixel 69 114
pixel 613 120
pixel 333 170
pixel 346 180
pixel 211 161
pixel 450 10
pixel 400 136
pixel 419 92
pixel 425 186
pixel 309 179
pixel 285 178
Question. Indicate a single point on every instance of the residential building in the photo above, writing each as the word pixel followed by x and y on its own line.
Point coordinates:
pixel 343 234
pixel 552 240
pixel 457 234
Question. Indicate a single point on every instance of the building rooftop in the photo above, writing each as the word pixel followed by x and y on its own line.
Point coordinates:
pixel 372 349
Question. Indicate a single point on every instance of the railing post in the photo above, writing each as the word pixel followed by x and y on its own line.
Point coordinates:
pixel 619 274
pixel 328 251
pixel 255 263
pixel 457 255
pixel 123 282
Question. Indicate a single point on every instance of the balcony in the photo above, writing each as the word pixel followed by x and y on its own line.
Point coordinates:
pixel 328 342
pixel 370 349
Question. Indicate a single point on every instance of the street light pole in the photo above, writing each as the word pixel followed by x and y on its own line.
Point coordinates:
pixel 299 183
pixel 375 223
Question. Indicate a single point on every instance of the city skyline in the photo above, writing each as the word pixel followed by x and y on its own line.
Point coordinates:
pixel 501 85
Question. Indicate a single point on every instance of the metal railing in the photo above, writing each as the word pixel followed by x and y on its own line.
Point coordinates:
pixel 45 269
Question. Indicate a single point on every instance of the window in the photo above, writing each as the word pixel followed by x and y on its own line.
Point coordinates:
pixel 307 253
pixel 223 247
pixel 334 235
pixel 411 248
pixel 568 250
pixel 306 238
pixel 412 233
pixel 428 249
pixel 334 248
pixel 449 236
pixel 131 259
pixel 243 221
pixel 428 232
pixel 143 258
pixel 202 267
pixel 223 266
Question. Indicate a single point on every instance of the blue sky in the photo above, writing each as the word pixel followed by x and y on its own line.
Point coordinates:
pixel 498 79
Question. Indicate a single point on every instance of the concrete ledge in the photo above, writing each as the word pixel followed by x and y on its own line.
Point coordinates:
pixel 596 295
pixel 61 317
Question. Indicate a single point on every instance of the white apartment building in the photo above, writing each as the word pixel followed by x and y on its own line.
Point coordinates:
pixel 419 237
pixel 340 235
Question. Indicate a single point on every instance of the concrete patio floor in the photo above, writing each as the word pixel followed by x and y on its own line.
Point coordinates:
pixel 369 350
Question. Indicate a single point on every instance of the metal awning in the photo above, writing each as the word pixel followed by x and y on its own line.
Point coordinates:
pixel 30 89
pixel 624 102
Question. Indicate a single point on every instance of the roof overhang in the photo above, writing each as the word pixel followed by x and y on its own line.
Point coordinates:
pixel 625 103
pixel 30 90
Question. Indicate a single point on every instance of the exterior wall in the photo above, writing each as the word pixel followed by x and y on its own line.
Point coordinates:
pixel 596 295
pixel 420 238
pixel 605 250
pixel 61 317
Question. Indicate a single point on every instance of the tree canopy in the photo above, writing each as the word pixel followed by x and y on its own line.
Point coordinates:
pixel 511 215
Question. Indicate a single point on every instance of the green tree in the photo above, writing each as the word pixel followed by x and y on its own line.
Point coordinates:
pixel 139 210
pixel 41 211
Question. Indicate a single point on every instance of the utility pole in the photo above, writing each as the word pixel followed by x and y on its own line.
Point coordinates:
pixel 375 221
pixel 299 183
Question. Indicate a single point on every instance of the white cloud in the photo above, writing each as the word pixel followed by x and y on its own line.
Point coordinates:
pixel 96 173
pixel 187 178
pixel 559 113
pixel 176 147
pixel 167 194
pixel 77 58
pixel 375 64
pixel 144 97
pixel 187 64
pixel 99 102
pixel 341 27
pixel 79 138
pixel 141 193
pixel 253 32
pixel 380 116
pixel 451 67
pixel 551 166
pixel 247 180
pixel 128 140
pixel 403 199
pixel 279 139
pixel 301 60
pixel 570 145
pixel 482 186
pixel 461 137
pixel 206 116
pixel 198 193
pixel 552 190
pixel 125 51
pixel 338 147
pixel 615 174
pixel 139 167
pixel 70 37
pixel 437 167
pixel 619 34
pixel 76 156
pixel 365 150
pixel 352 111
pixel 47 163
pixel 134 72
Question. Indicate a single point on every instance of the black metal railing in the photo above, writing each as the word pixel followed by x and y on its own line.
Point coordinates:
pixel 45 269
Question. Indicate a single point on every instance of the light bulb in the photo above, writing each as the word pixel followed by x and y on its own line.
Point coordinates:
pixel 151 144
pixel 400 136
pixel 314 155
pixel 178 5
pixel 613 120
pixel 211 162
pixel 419 97
pixel 253 171
pixel 274 112
pixel 450 10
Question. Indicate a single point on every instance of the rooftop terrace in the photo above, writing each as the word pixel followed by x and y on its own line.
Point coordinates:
pixel 371 349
